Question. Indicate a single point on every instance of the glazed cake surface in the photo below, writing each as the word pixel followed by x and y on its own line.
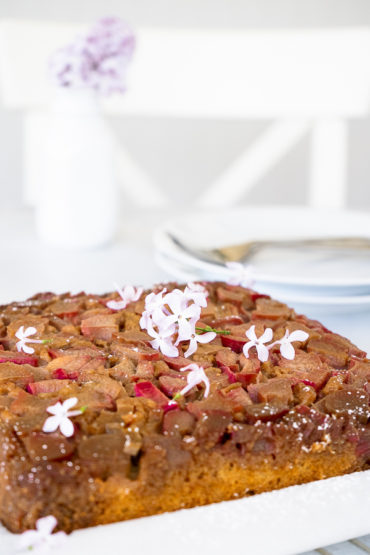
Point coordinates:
pixel 139 446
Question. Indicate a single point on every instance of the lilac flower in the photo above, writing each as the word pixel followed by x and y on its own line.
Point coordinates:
pixel 96 60
pixel 154 308
pixel 128 295
pixel 196 338
pixel 177 312
pixel 195 377
pixel 24 337
pixel 163 339
pixel 42 540
pixel 183 314
pixel 286 347
pixel 61 417
pixel 197 293
pixel 258 342
pixel 240 274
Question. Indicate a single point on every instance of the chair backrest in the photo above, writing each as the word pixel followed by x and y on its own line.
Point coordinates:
pixel 208 73
pixel 302 79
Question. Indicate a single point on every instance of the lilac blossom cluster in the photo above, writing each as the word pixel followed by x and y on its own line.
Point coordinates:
pixel 171 318
pixel 97 60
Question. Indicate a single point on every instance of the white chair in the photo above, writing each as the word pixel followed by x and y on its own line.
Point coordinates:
pixel 305 81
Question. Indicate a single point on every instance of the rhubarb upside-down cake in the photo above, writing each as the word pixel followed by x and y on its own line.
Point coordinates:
pixel 138 402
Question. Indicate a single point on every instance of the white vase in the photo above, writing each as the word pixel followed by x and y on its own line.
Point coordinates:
pixel 77 202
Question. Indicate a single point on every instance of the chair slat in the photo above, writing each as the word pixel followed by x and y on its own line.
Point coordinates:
pixel 343 548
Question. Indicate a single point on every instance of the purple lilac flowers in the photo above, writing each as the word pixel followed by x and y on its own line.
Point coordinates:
pixel 97 60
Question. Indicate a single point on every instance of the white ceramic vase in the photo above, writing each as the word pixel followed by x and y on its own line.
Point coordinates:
pixel 77 204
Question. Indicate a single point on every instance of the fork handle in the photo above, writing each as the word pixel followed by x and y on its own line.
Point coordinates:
pixel 243 251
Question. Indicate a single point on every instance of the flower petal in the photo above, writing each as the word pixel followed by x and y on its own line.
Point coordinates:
pixel 185 330
pixel 205 337
pixel 191 349
pixel 20 345
pixel 137 295
pixel 69 403
pixel 266 336
pixel 262 352
pixel 30 331
pixel 71 413
pixel 155 344
pixel 29 539
pixel 248 346
pixel 66 427
pixel 298 335
pixel 46 525
pixel 191 366
pixel 128 292
pixel 55 409
pixel 20 333
pixel 192 311
pixel 177 301
pixel 116 305
pixel 51 424
pixel 251 333
pixel 206 382
pixel 185 389
pixel 287 351
pixel 168 349
pixel 28 350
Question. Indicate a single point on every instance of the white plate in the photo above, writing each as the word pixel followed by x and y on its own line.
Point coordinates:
pixel 349 273
pixel 284 522
pixel 313 305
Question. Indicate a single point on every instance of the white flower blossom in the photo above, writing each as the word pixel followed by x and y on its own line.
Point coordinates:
pixel 286 347
pixel 176 312
pixel 24 337
pixel 128 295
pixel 196 338
pixel 61 417
pixel 154 308
pixel 197 293
pixel 183 314
pixel 42 540
pixel 195 377
pixel 163 339
pixel 258 342
pixel 240 274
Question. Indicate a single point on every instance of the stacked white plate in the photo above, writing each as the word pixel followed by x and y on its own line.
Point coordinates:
pixel 311 280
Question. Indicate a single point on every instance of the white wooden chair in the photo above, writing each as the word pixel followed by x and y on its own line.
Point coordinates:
pixel 304 81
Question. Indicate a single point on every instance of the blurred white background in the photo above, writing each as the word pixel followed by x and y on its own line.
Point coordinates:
pixel 183 155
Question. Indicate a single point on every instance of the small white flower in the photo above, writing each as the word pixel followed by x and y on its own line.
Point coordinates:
pixel 194 378
pixel 196 338
pixel 163 339
pixel 24 337
pixel 197 293
pixel 240 274
pixel 61 417
pixel 181 310
pixel 42 540
pixel 128 295
pixel 154 308
pixel 258 342
pixel 183 314
pixel 286 347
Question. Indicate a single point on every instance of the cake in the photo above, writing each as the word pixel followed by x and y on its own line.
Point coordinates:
pixel 134 403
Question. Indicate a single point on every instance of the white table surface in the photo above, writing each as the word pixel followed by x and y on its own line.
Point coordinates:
pixel 27 267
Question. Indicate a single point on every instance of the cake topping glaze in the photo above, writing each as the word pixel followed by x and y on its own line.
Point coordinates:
pixel 135 402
